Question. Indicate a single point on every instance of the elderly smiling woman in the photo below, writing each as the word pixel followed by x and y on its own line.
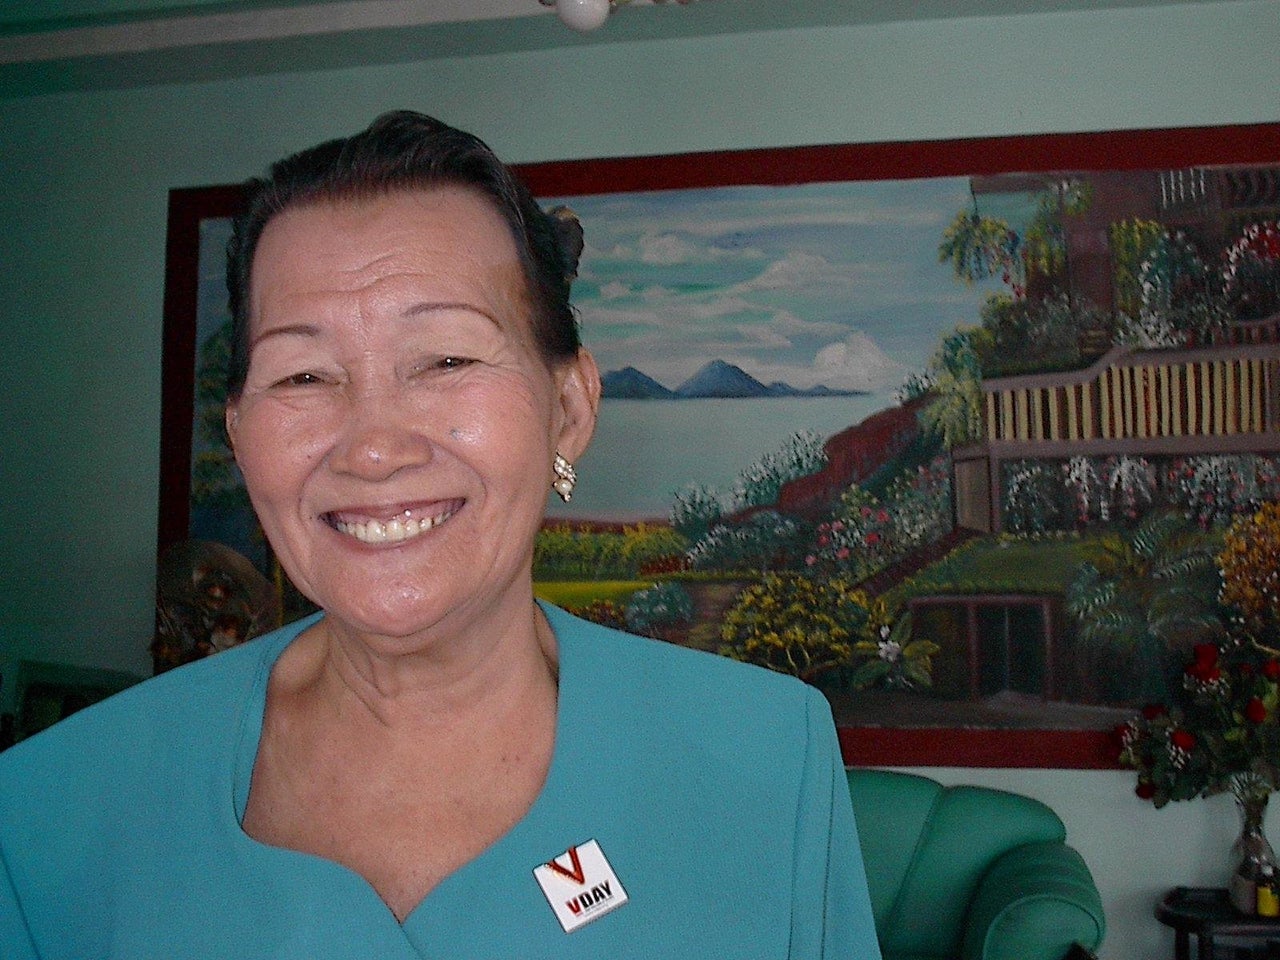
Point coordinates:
pixel 435 765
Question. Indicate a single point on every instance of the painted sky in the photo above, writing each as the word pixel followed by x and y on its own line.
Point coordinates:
pixel 828 283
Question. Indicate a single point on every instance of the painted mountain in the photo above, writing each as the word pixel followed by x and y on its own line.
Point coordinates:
pixel 717 379
pixel 630 384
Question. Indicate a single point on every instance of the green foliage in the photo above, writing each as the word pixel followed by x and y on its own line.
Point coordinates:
pixel 797 625
pixel 955 413
pixel 563 552
pixel 1131 244
pixel 1044 250
pixel 1180 297
pixel 758 485
pixel 1022 335
pixel 1001 564
pixel 576 594
pixel 915 385
pixel 696 510
pixel 865 534
pixel 1251 278
pixel 607 613
pixel 1033 497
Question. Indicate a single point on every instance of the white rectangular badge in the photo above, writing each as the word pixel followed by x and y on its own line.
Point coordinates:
pixel 580 885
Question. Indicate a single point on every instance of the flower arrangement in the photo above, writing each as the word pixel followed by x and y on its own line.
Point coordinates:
pixel 1224 731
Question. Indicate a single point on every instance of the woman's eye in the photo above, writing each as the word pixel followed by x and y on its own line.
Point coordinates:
pixel 436 364
pixel 301 380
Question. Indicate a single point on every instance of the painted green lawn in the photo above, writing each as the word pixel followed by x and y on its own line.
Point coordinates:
pixel 1002 565
pixel 579 593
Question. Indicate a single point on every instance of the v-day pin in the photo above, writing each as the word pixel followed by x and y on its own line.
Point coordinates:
pixel 580 885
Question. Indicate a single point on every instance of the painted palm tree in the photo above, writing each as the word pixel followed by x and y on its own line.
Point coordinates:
pixel 1147 597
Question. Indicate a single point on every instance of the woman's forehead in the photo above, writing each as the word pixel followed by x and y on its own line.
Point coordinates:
pixel 446 242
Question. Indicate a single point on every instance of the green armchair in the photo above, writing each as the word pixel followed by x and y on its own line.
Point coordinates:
pixel 970 873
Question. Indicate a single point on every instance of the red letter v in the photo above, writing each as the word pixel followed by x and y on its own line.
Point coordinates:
pixel 576 873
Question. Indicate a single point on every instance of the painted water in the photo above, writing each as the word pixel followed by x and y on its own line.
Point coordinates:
pixel 646 450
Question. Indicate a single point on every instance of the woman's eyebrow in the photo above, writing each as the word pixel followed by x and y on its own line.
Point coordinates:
pixel 288 330
pixel 437 306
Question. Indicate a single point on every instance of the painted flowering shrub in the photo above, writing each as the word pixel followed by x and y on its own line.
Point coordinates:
pixel 1250 564
pixel 1105 490
pixel 859 539
pixel 891 659
pixel 1251 271
pixel 1131 482
pixel 663 605
pixel 1181 297
pixel 1033 500
pixel 1211 489
pixel 865 534
pixel 798 625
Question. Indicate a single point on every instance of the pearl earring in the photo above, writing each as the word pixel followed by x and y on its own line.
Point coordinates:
pixel 566 477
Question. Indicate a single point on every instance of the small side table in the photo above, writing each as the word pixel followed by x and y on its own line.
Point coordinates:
pixel 1207 912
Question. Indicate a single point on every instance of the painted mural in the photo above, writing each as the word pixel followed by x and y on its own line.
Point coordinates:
pixel 962 452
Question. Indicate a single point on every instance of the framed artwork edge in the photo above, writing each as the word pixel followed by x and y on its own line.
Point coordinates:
pixel 1077 152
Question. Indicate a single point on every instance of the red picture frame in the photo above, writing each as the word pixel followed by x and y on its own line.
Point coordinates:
pixel 1104 151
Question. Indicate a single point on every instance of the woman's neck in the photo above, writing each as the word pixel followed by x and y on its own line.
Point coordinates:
pixel 444 677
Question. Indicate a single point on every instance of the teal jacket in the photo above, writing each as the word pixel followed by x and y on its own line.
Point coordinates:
pixel 714 790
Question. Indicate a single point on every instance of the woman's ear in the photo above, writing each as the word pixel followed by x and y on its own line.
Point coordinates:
pixel 230 420
pixel 579 383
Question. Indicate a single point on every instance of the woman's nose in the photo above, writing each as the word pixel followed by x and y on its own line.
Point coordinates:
pixel 380 435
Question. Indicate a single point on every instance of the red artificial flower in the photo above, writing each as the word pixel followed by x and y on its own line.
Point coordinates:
pixel 1255 711
pixel 1271 669
pixel 1183 740
pixel 1145 789
pixel 1153 711
pixel 1204 672
pixel 1206 654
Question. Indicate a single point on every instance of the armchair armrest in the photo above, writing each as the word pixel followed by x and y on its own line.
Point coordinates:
pixel 1034 903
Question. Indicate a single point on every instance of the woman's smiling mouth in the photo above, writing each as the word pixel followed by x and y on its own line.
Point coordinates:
pixel 404 525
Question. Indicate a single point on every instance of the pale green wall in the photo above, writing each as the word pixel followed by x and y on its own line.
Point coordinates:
pixel 82 220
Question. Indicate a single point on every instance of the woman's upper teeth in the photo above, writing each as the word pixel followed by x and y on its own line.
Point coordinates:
pixel 390 531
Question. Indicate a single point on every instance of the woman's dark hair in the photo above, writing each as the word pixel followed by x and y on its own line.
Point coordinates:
pixel 403 150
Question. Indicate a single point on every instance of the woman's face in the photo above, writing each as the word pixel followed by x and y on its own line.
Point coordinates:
pixel 398 423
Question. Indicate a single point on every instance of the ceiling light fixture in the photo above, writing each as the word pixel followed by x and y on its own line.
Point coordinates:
pixel 587 15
